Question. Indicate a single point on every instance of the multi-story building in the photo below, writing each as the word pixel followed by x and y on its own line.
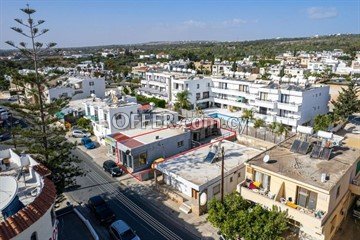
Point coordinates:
pixel 219 68
pixel 315 189
pixel 165 85
pixel 289 104
pixel 76 88
pixel 27 199
pixel 198 88
pixel 110 115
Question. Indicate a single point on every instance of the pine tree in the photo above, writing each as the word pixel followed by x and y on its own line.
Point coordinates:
pixel 348 101
pixel 44 138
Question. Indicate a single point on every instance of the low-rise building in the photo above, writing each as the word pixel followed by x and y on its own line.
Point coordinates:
pixel 110 115
pixel 27 199
pixel 196 174
pixel 76 88
pixel 313 186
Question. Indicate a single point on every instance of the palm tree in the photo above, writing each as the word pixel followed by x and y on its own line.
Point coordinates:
pixel 280 129
pixel 272 128
pixel 182 101
pixel 258 123
pixel 247 115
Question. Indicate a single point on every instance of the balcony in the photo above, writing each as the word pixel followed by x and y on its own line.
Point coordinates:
pixel 294 107
pixel 354 187
pixel 230 92
pixel 304 216
pixel 231 103
pixel 264 103
pixel 291 121
pixel 93 118
pixel 265 117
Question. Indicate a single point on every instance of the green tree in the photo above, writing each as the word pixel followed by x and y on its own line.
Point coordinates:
pixel 323 122
pixel 182 101
pixel 84 123
pixel 258 123
pixel 348 102
pixel 236 218
pixel 44 138
pixel 234 67
pixel 247 115
pixel 272 128
pixel 281 130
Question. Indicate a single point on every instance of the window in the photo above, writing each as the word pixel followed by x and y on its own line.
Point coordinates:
pixel 180 144
pixel 338 192
pixel 197 96
pixel 139 160
pixel 216 189
pixel 243 88
pixel 206 95
pixel 285 98
pixel 197 86
pixel 263 179
pixel 239 174
pixel 34 236
pixel 231 179
pixel 263 96
pixel 105 116
pixel 306 198
pixel 208 84
pixel 53 217
pixel 91 83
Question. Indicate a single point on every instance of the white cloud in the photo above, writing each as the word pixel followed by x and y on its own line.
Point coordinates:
pixel 193 23
pixel 234 22
pixel 322 12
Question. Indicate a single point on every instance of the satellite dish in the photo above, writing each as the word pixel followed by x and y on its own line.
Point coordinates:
pixel 266 158
pixel 203 198
pixel 93 95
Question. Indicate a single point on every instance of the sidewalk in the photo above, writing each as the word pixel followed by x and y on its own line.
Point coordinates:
pixel 146 190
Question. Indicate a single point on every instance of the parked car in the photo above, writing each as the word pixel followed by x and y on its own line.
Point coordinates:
pixel 101 210
pixel 78 133
pixel 12 99
pixel 111 167
pixel 5 136
pixel 88 143
pixel 119 230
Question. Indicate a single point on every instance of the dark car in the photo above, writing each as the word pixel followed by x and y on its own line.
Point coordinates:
pixel 101 210
pixel 111 167
pixel 5 136
pixel 88 143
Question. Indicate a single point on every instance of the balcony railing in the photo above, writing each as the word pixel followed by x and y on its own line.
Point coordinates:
pixel 267 200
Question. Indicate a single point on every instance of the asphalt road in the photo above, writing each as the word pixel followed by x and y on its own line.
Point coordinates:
pixel 142 216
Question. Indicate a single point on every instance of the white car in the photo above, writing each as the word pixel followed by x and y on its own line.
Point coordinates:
pixel 77 133
pixel 119 230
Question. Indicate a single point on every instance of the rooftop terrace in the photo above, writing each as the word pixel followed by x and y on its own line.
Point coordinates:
pixel 308 170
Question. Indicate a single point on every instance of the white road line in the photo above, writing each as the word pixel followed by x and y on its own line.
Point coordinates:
pixel 133 207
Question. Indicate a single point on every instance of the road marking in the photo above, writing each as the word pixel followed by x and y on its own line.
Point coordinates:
pixel 159 227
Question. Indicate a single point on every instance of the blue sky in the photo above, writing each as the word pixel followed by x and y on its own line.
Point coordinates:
pixel 87 23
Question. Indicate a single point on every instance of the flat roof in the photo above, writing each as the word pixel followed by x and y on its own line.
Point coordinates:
pixel 191 165
pixel 159 134
pixel 308 170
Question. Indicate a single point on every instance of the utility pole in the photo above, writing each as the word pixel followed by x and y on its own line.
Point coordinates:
pixel 222 174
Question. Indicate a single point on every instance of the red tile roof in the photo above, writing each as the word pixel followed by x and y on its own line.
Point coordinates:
pixel 132 143
pixel 24 218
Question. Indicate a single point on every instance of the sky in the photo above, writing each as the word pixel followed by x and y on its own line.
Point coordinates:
pixel 75 23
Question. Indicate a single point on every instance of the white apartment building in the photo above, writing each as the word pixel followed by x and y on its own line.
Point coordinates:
pixel 165 85
pixel 293 71
pixel 156 84
pixel 77 88
pixel 110 115
pixel 288 104
pixel 220 68
pixel 199 90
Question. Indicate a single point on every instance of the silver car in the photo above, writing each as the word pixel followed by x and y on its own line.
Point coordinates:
pixel 78 133
pixel 119 230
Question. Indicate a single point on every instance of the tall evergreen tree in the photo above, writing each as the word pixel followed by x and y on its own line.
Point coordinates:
pixel 44 138
pixel 348 101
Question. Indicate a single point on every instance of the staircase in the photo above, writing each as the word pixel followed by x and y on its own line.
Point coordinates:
pixel 185 207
